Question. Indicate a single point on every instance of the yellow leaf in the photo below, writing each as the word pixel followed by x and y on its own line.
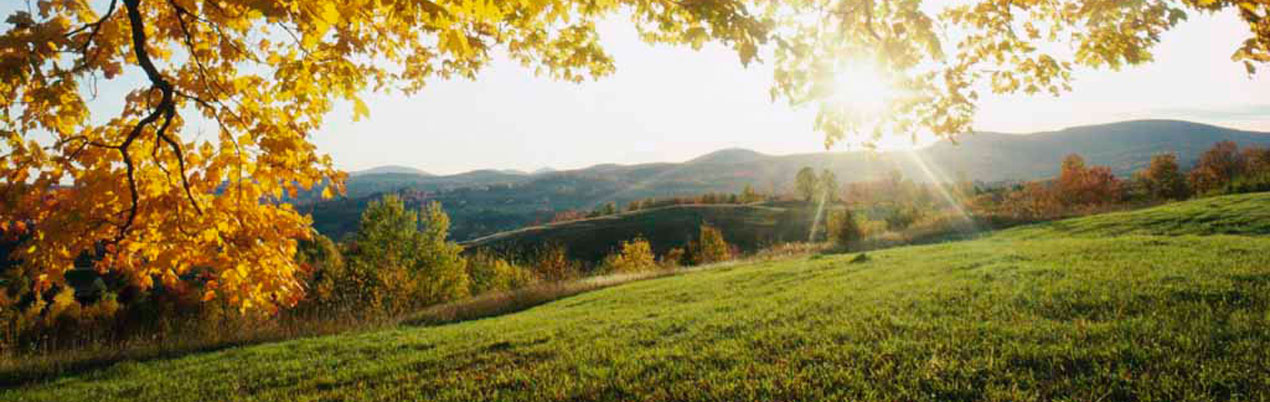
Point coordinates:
pixel 360 110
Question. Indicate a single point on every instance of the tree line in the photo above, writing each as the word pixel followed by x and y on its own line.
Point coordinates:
pixel 1081 189
pixel 398 261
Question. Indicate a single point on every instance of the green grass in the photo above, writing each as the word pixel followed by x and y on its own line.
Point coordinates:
pixel 1247 214
pixel 1057 311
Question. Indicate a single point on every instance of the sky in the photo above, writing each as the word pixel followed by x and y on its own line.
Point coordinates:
pixel 671 104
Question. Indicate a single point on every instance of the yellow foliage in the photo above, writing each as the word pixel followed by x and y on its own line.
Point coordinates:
pixel 634 256
pixel 710 246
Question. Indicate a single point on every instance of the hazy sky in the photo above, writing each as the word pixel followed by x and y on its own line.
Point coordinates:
pixel 672 104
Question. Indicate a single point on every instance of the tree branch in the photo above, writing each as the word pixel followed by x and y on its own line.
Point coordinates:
pixel 165 109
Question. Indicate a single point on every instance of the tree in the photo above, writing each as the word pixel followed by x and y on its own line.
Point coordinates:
pixel 442 270
pixel 328 279
pixel 266 73
pixel 749 195
pixel 710 246
pixel 489 273
pixel 1216 167
pixel 1163 179
pixel 828 185
pixel 632 257
pixel 806 183
pixel 844 231
pixel 406 259
pixel 1079 185
pixel 1257 161
pixel 1071 179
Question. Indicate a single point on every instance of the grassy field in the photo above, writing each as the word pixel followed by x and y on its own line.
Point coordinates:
pixel 1168 303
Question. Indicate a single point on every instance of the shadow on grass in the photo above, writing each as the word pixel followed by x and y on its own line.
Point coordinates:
pixel 502 303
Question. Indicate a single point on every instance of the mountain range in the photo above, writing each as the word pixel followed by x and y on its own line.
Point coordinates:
pixel 489 201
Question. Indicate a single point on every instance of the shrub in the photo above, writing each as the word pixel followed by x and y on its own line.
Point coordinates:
pixel 844 230
pixel 634 256
pixel 552 263
pixel 710 246
pixel 1163 180
pixel 1216 167
pixel 327 278
pixel 902 217
pixel 673 258
pixel 489 273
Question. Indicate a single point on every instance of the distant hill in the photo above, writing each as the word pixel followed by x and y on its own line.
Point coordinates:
pixel 544 170
pixel 728 156
pixel 486 201
pixel 746 226
pixel 389 169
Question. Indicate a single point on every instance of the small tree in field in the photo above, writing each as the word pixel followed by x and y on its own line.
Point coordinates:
pixel 406 260
pixel 1163 180
pixel 442 268
pixel 806 183
pixel 828 186
pixel 633 256
pixel 552 263
pixel 710 246
pixel 1216 167
pixel 844 231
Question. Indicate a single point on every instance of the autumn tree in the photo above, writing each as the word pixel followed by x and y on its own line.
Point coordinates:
pixel 1079 185
pixel 631 257
pixel 329 282
pixel 1216 167
pixel 844 230
pixel 749 195
pixel 827 185
pixel 1163 179
pixel 1071 179
pixel 1256 160
pixel 710 246
pixel 163 199
pixel 405 256
pixel 806 183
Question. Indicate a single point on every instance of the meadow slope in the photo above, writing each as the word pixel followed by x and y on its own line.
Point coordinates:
pixel 1168 303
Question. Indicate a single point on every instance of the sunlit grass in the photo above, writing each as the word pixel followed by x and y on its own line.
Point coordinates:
pixel 1085 309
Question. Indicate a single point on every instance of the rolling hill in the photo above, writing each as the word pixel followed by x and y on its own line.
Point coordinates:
pixel 1133 308
pixel 486 202
pixel 389 169
pixel 749 227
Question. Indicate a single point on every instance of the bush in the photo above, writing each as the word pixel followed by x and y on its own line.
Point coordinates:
pixel 327 277
pixel 551 262
pixel 634 256
pixel 844 230
pixel 710 246
pixel 902 217
pixel 673 258
pixel 489 273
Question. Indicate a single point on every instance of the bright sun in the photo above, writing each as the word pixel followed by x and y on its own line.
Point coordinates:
pixel 861 89
pixel 866 94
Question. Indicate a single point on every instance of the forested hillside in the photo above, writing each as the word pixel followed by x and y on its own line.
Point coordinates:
pixel 487 202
